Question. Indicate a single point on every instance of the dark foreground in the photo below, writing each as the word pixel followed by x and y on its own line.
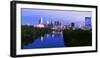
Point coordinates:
pixel 71 37
pixel 30 34
pixel 77 38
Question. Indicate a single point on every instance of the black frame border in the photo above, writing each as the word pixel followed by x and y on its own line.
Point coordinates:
pixel 13 27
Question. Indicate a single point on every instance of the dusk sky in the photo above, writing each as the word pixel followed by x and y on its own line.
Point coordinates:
pixel 32 16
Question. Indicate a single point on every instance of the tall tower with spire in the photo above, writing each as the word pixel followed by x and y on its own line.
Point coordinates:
pixel 41 25
pixel 41 21
pixel 47 22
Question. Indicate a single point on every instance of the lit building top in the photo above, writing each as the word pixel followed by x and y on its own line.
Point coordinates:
pixel 40 25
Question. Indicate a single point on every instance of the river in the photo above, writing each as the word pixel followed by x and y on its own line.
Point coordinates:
pixel 53 40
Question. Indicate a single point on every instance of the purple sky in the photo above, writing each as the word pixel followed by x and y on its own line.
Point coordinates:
pixel 32 16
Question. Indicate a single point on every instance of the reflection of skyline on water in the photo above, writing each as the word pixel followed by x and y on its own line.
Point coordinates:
pixel 55 23
pixel 52 40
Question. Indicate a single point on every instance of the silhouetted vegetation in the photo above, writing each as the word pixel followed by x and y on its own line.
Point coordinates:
pixel 77 37
pixel 71 37
pixel 30 33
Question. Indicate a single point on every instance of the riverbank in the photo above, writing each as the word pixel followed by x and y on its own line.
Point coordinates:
pixel 30 33
pixel 77 37
pixel 71 37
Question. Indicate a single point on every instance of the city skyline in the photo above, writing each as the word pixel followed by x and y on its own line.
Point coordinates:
pixel 32 16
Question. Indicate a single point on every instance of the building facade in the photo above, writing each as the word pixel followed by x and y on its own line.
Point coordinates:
pixel 88 22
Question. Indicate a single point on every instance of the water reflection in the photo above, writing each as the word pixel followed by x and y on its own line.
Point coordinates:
pixel 41 38
pixel 55 39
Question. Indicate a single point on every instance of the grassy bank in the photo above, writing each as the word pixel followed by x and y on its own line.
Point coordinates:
pixel 30 33
pixel 77 37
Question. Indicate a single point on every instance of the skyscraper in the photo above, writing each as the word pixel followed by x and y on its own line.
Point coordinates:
pixel 88 22
pixel 72 26
pixel 41 21
pixel 40 25
pixel 57 23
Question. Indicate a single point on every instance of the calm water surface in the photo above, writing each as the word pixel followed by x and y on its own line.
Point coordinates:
pixel 55 39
